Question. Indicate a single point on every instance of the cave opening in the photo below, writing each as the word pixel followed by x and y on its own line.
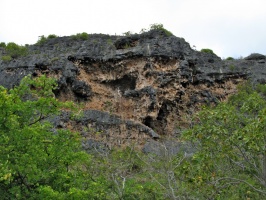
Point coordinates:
pixel 148 121
pixel 124 83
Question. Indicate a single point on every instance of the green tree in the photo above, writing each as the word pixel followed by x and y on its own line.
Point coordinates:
pixel 36 161
pixel 2 44
pixel 160 27
pixel 231 140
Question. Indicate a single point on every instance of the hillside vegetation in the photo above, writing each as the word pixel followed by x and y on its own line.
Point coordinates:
pixel 40 162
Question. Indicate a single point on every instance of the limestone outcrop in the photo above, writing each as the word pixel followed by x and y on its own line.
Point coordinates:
pixel 134 88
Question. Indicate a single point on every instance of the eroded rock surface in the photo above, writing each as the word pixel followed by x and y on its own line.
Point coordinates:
pixel 134 88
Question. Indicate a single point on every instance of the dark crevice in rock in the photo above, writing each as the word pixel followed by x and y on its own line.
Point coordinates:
pixel 123 84
pixel 148 121
pixel 127 42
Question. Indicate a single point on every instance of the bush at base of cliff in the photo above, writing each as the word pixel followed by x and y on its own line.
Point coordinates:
pixel 231 158
pixel 37 161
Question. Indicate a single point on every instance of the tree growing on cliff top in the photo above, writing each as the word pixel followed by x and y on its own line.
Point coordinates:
pixel 160 27
pixel 157 27
pixel 231 161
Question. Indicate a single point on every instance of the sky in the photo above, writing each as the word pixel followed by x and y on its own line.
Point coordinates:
pixel 234 28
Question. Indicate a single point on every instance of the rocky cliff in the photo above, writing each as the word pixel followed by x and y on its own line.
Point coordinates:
pixel 134 88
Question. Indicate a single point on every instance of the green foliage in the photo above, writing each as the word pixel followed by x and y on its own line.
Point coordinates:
pixel 15 50
pixel 160 27
pixel 207 51
pixel 232 67
pixel 42 39
pixel 231 158
pixel 36 161
pixel 156 27
pixel 128 33
pixel 143 30
pixel 54 59
pixel 52 36
pixel 2 44
pixel 123 171
pixel 81 36
pixel 110 41
pixel 229 58
pixel 132 174
pixel 6 58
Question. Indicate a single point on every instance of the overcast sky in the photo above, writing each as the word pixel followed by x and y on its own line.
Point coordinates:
pixel 228 27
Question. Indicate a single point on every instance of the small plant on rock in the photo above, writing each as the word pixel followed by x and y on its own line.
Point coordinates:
pixel 160 27
pixel 42 39
pixel 52 36
pixel 82 36
pixel 128 33
pixel 207 51
pixel 6 58
pixel 229 58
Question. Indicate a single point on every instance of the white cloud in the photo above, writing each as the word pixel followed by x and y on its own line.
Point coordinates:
pixel 229 27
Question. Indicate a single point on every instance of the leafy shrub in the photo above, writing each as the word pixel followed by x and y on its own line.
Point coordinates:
pixel 232 67
pixel 207 51
pixel 6 58
pixel 109 41
pixel 2 44
pixel 54 59
pixel 15 50
pixel 231 157
pixel 52 36
pixel 160 27
pixel 42 39
pixel 82 36
pixel 128 33
pixel 143 30
pixel 229 58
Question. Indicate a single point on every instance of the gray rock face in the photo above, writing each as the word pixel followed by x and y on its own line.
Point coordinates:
pixel 81 89
pixel 134 87
pixel 53 54
pixel 255 56
pixel 95 123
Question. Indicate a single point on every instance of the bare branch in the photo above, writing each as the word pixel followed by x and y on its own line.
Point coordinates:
pixel 240 180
